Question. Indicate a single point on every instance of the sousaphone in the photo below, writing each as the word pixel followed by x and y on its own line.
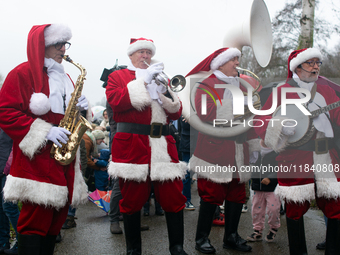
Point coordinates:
pixel 254 31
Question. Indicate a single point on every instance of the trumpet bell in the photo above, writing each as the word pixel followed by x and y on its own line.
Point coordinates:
pixel 177 83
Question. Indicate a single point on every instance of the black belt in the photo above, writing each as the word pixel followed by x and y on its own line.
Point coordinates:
pixel 155 130
pixel 320 146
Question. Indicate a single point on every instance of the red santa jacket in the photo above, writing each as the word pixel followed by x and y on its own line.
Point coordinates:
pixel 215 158
pixel 133 154
pixel 297 185
pixel 34 176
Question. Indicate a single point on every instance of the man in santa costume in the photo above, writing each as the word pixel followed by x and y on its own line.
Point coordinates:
pixel 143 151
pixel 316 163
pixel 32 103
pixel 227 186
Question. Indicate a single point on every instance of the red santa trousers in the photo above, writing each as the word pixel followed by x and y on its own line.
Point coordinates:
pixel 135 194
pixel 330 208
pixel 216 193
pixel 39 220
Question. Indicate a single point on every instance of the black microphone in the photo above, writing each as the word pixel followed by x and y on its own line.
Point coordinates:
pixel 308 71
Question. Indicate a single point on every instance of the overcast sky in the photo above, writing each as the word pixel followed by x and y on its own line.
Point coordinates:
pixel 184 31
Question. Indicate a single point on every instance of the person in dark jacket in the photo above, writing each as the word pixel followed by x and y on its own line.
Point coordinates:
pixel 9 211
pixel 264 182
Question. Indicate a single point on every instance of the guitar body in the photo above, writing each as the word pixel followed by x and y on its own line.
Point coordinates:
pixel 304 129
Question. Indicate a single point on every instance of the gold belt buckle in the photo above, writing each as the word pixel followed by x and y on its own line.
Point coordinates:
pixel 318 146
pixel 152 130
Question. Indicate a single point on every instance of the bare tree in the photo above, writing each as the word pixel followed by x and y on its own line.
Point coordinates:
pixel 1 80
pixel 307 24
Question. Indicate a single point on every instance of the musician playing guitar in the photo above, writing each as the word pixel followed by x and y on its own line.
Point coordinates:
pixel 311 170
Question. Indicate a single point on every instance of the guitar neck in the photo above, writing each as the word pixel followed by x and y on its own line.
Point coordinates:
pixel 325 109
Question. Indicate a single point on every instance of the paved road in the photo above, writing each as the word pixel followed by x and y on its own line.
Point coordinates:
pixel 92 234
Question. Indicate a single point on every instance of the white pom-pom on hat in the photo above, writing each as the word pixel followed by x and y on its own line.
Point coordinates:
pixel 39 104
pixel 56 33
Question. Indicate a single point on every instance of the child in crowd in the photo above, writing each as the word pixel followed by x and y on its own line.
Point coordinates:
pixel 264 184
pixel 101 176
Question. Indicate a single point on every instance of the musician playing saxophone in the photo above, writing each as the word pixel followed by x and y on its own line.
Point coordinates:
pixel 314 165
pixel 143 151
pixel 33 100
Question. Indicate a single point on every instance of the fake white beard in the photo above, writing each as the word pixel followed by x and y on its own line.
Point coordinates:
pixel 59 85
pixel 321 122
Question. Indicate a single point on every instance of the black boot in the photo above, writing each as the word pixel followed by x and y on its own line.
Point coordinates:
pixel 296 236
pixel 205 219
pixel 29 244
pixel 174 222
pixel 231 239
pixel 132 233
pixel 333 237
pixel 47 245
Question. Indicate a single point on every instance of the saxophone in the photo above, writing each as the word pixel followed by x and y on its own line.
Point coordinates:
pixel 73 122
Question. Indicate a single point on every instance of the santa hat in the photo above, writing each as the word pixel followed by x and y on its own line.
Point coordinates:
pixel 57 33
pixel 297 57
pixel 37 40
pixel 216 59
pixel 139 44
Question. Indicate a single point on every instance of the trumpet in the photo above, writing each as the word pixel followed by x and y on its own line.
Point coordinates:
pixel 177 83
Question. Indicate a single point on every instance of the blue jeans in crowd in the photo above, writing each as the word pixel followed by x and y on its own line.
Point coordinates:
pixel 187 180
pixel 9 212
pixel 71 211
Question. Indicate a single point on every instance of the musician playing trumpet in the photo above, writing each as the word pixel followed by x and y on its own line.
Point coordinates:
pixel 313 167
pixel 143 151
pixel 229 153
pixel 33 100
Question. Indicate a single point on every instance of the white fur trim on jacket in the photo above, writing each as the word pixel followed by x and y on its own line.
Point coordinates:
pixel 239 157
pixel 296 194
pixel 225 111
pixel 35 139
pixel 139 96
pixel 254 145
pixel 127 171
pixel 167 171
pixel 79 195
pixel 326 181
pixel 304 56
pixel 162 168
pixel 168 104
pixel 219 174
pixel 42 193
pixel 209 171
pixel 56 33
pixel 274 138
pixel 39 104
